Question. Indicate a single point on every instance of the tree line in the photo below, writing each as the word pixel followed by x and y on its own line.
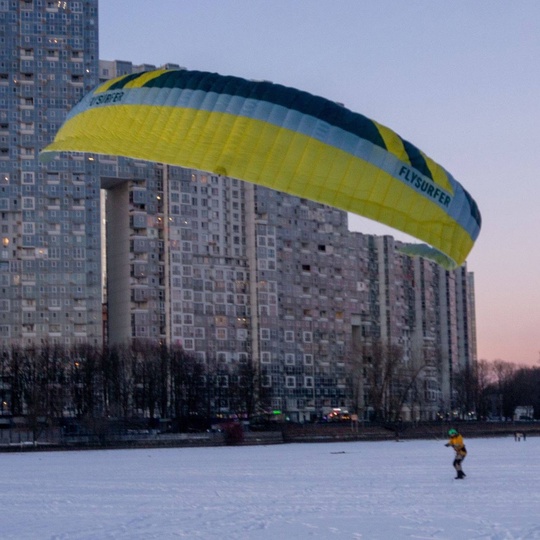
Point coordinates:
pixel 503 386
pixel 141 380
pixel 483 391
pixel 150 381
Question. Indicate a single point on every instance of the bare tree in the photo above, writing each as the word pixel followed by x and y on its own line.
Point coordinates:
pixel 356 381
pixel 148 377
pixel 383 379
pixel 34 376
pixel 5 380
pixel 12 381
pixel 118 381
pixel 242 389
pixel 390 383
pixel 522 389
pixel 483 378
pixel 86 380
pixel 464 387
pixel 503 374
pixel 189 397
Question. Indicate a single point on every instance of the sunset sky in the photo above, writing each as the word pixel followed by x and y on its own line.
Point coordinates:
pixel 460 80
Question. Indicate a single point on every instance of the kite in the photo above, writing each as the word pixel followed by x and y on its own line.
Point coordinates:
pixel 282 138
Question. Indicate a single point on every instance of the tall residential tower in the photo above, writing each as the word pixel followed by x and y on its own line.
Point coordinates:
pixel 50 280
pixel 235 274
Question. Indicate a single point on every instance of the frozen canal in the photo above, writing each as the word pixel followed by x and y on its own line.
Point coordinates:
pixel 371 490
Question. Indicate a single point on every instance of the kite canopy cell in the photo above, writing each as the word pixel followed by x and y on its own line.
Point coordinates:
pixel 281 138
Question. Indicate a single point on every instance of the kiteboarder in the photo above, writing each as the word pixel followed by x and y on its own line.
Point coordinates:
pixel 456 442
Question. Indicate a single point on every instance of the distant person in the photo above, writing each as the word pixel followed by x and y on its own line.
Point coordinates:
pixel 456 442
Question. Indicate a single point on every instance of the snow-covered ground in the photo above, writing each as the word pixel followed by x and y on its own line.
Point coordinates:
pixel 371 490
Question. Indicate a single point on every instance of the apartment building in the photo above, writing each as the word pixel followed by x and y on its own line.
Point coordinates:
pixel 238 273
pixel 232 272
pixel 50 280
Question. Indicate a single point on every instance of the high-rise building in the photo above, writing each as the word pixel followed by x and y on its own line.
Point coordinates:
pixel 428 312
pixel 235 274
pixel 50 284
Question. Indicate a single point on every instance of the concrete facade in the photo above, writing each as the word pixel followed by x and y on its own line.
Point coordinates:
pixel 238 273
pixel 232 272
pixel 50 244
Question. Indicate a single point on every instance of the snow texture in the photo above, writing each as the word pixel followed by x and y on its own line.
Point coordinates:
pixel 372 490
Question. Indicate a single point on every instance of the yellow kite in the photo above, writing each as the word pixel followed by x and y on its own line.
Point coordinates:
pixel 282 138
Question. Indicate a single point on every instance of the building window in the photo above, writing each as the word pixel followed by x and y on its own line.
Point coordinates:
pixel 241 334
pixel 199 333
pixel 28 228
pixel 221 333
pixel 27 177
pixel 28 203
